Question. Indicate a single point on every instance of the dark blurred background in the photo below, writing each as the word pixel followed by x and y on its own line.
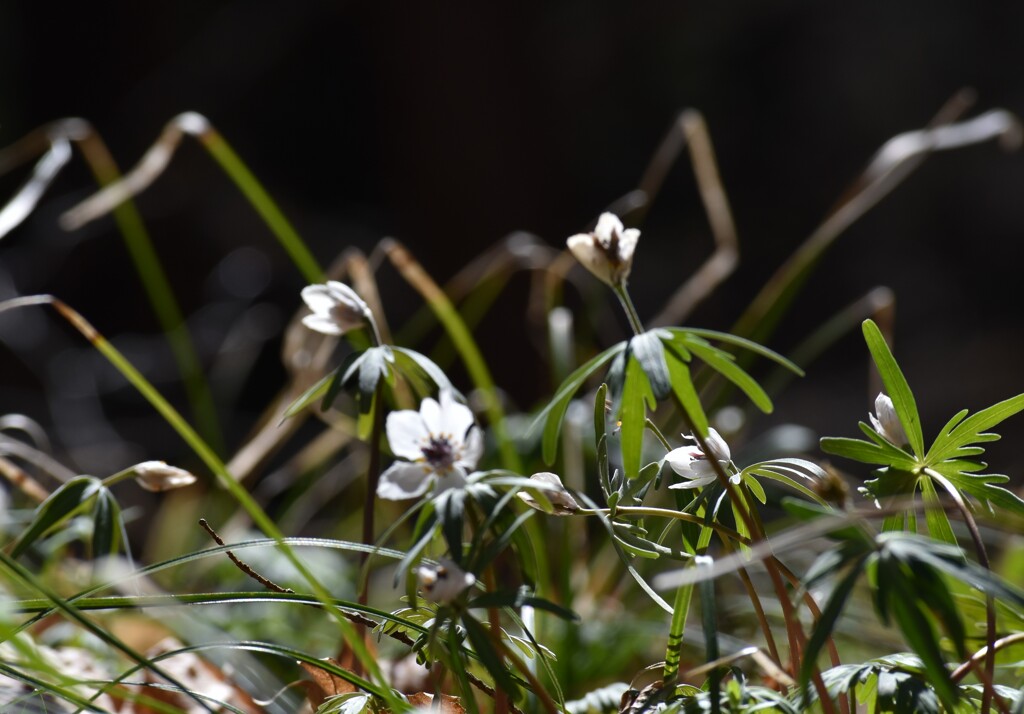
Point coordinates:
pixel 451 128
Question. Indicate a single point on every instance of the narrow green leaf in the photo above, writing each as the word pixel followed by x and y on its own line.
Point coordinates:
pixel 745 344
pixel 826 623
pixel 649 352
pixel 308 397
pixel 424 363
pixel 632 415
pixel 686 393
pixel 920 635
pixel 554 412
pixel 54 509
pixel 993 415
pixel 896 385
pixel 722 362
pixel 106 515
pixel 491 660
pixel 855 449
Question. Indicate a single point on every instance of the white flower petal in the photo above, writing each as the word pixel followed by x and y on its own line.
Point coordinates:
pixel 719 448
pixel 455 418
pixel 324 325
pixel 588 251
pixel 406 434
pixel 454 478
pixel 607 225
pixel 680 459
pixel 343 293
pixel 403 480
pixel 695 483
pixel 889 420
pixel 473 449
pixel 627 245
pixel 319 299
pixel 443 582
pixel 430 411
pixel 560 498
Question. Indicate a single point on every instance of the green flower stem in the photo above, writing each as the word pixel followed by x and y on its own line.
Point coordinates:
pixel 372 478
pixel 627 304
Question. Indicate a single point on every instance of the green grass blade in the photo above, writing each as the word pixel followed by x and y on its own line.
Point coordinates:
pixel 265 206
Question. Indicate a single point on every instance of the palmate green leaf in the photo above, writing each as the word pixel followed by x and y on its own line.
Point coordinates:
pixel 553 414
pixel 725 364
pixel 56 508
pixel 982 487
pixel 896 385
pixel 957 434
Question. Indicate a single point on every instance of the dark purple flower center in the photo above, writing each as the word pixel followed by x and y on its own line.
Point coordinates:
pixel 440 453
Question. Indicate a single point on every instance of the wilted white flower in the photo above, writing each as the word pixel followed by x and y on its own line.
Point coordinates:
pixel 443 582
pixel 439 442
pixel 157 476
pixel 336 308
pixel 693 464
pixel 560 498
pixel 887 423
pixel 608 251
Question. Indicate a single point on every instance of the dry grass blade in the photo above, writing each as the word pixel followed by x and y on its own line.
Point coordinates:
pixel 149 168
pixel 691 131
pixel 25 200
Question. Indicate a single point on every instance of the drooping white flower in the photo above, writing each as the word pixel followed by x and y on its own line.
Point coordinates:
pixel 443 582
pixel 560 498
pixel 608 251
pixel 336 308
pixel 158 476
pixel 693 464
pixel 438 443
pixel 887 423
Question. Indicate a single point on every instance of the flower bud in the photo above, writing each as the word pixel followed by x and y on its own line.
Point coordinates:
pixel 556 493
pixel 336 308
pixel 157 476
pixel 608 251
pixel 887 423
pixel 443 582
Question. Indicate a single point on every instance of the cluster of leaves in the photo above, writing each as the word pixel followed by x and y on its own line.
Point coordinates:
pixel 483 577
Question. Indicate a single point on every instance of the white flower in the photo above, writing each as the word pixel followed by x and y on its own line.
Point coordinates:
pixel 443 582
pixel 336 308
pixel 157 476
pixel 887 423
pixel 693 464
pixel 608 251
pixel 439 442
pixel 560 498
